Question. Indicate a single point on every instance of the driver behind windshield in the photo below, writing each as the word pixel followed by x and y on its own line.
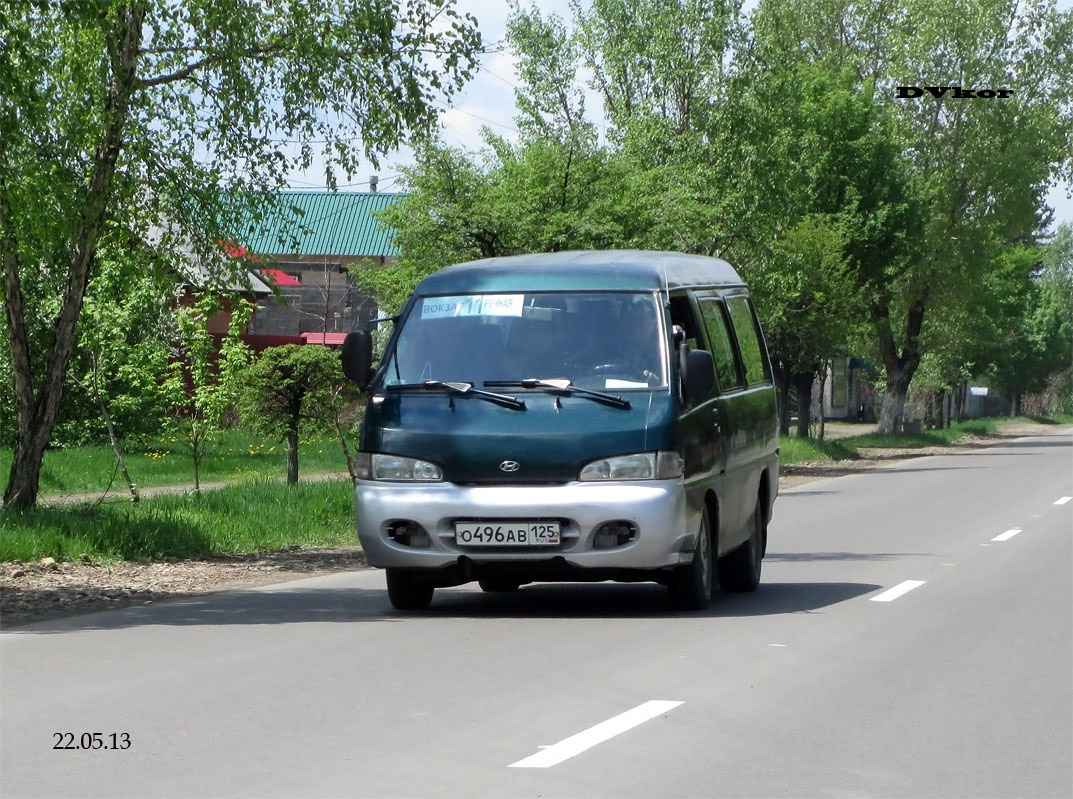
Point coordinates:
pixel 614 347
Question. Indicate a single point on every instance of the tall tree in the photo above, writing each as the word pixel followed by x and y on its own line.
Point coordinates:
pixel 136 118
pixel 980 166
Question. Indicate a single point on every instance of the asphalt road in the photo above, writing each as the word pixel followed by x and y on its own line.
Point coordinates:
pixel 960 685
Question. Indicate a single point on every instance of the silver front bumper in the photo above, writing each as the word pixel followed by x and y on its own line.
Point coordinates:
pixel 656 507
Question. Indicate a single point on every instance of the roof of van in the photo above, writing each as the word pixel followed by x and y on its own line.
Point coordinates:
pixel 582 270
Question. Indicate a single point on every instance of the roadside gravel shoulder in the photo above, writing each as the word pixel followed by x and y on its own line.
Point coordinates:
pixel 45 590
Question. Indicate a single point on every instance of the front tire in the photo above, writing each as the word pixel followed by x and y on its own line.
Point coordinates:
pixel 740 570
pixel 691 586
pixel 407 590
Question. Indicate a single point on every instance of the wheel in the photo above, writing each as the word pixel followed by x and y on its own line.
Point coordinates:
pixel 498 585
pixel 740 570
pixel 691 586
pixel 408 591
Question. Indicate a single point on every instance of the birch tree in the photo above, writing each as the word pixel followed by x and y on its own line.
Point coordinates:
pixel 170 123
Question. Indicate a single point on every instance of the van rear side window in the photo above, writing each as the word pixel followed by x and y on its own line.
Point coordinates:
pixel 748 340
pixel 726 371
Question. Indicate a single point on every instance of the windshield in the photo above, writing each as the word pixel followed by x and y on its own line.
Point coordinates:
pixel 596 340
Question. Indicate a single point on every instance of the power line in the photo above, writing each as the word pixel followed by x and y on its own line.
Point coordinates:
pixel 476 116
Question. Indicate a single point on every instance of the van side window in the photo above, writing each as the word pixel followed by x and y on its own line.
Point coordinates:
pixel 682 315
pixel 715 323
pixel 748 340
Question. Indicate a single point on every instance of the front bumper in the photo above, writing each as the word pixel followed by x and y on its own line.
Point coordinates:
pixel 656 508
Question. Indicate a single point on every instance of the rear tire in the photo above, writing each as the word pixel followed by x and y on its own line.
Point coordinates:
pixel 498 585
pixel 740 570
pixel 691 586
pixel 407 590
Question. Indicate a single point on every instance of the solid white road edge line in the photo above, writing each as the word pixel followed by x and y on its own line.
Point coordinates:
pixel 1006 536
pixel 576 744
pixel 1063 500
pixel 901 588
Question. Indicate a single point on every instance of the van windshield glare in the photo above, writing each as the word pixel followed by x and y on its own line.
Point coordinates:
pixel 608 340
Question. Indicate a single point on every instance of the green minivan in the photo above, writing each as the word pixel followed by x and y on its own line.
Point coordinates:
pixel 598 415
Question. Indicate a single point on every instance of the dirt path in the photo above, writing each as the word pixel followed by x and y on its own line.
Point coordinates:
pixel 121 494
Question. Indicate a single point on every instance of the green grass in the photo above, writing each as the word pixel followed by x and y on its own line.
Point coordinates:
pixel 928 438
pixel 238 455
pixel 1054 418
pixel 796 450
pixel 238 519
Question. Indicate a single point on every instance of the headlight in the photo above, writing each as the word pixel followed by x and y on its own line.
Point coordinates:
pixel 640 466
pixel 376 466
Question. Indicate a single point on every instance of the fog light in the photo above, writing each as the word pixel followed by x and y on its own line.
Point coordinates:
pixel 614 534
pixel 408 534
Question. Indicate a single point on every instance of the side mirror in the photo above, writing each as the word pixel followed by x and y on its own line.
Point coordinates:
pixel 699 376
pixel 357 357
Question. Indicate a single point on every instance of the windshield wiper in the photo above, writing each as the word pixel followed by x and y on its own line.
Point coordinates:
pixel 460 389
pixel 562 385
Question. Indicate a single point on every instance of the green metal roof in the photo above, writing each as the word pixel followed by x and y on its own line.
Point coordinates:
pixel 325 223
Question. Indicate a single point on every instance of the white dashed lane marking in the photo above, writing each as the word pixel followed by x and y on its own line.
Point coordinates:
pixel 1062 500
pixel 899 590
pixel 1006 536
pixel 586 739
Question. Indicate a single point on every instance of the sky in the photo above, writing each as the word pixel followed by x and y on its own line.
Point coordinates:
pixel 488 101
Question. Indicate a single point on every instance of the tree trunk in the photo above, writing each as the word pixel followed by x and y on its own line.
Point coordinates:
pixel 959 401
pixel 292 456
pixel 821 422
pixel 900 368
pixel 782 380
pixel 36 414
pixel 25 474
pixel 111 435
pixel 196 451
pixel 1015 404
pixel 346 449
pixel 893 411
pixel 803 384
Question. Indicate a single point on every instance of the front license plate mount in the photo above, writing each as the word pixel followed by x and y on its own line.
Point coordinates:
pixel 506 534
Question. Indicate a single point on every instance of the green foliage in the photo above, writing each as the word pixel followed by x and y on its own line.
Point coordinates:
pixel 240 519
pixel 536 197
pixel 978 170
pixel 204 384
pixel 896 229
pixel 291 389
pixel 805 290
pixel 123 345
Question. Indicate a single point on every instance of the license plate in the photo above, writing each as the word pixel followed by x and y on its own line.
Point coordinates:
pixel 506 534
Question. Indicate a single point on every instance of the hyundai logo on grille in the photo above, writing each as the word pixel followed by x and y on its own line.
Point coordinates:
pixel 510 466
